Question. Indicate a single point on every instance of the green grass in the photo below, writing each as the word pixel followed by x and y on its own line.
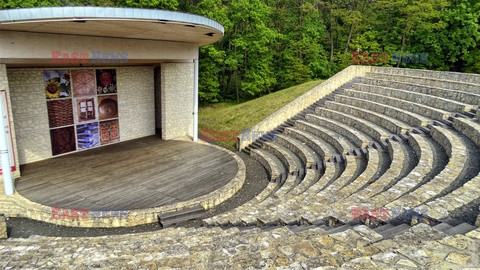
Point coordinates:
pixel 235 117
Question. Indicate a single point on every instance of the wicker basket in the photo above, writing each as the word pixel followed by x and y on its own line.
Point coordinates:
pixel 60 112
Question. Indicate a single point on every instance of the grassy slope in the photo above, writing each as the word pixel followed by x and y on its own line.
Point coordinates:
pixel 235 117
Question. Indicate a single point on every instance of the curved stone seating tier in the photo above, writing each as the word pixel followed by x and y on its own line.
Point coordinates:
pixel 457 95
pixel 397 167
pixel 352 99
pixel 356 137
pixel 340 143
pixel 367 127
pixel 452 76
pixel 266 215
pixel 307 204
pixel 368 175
pixel 419 174
pixel 222 219
pixel 272 164
pixel 332 172
pixel 324 149
pixel 310 178
pixel 393 125
pixel 352 170
pixel 418 108
pixel 305 153
pixel 288 158
pixel 315 247
pixel 452 203
pixel 455 85
pixel 469 128
pixel 292 208
pixel 428 100
pixel 453 172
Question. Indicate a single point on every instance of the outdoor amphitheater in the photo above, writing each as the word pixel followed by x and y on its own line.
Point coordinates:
pixel 375 168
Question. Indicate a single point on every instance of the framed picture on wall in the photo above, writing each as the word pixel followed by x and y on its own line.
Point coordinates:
pixel 83 82
pixel 57 84
pixel 106 81
pixel 86 109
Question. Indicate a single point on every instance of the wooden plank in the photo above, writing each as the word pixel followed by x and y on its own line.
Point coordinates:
pixel 142 173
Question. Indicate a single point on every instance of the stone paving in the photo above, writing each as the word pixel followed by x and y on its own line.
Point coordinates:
pixel 214 248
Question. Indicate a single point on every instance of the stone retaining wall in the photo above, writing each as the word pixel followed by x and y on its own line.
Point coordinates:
pixel 3 227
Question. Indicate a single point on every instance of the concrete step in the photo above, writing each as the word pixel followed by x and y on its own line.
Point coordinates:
pixel 442 227
pixel 383 228
pixel 460 229
pixel 170 219
pixel 338 229
pixel 392 232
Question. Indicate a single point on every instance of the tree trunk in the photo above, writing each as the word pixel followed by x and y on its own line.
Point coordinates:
pixel 236 86
pixel 404 37
pixel 349 37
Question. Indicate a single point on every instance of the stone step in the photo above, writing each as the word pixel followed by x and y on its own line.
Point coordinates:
pixel 321 147
pixel 373 130
pixel 338 229
pixel 289 159
pixel 377 94
pixel 306 154
pixel 173 218
pixel 369 101
pixel 357 137
pixel 460 229
pixel 340 143
pixel 272 164
pixel 455 85
pixel 452 76
pixel 427 100
pixel 391 124
pixel 469 128
pixel 398 165
pixel 384 227
pixel 396 230
pixel 460 96
pixel 441 227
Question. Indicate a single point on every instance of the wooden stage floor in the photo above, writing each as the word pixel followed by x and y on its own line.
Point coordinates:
pixel 137 174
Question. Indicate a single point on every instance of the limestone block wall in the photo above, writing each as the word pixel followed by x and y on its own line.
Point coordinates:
pixel 29 114
pixel 136 102
pixel 135 98
pixel 177 100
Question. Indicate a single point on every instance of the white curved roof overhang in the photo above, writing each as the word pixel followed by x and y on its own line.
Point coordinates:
pixel 129 23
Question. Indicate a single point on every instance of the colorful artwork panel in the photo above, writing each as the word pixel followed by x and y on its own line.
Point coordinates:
pixel 88 136
pixel 107 107
pixel 86 109
pixel 109 132
pixel 106 81
pixel 60 112
pixel 63 140
pixel 57 84
pixel 83 81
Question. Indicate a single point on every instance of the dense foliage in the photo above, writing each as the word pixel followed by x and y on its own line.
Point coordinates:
pixel 274 44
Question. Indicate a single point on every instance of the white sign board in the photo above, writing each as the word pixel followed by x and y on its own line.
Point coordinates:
pixel 8 130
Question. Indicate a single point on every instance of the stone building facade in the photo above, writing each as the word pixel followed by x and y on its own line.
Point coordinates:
pixel 155 75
